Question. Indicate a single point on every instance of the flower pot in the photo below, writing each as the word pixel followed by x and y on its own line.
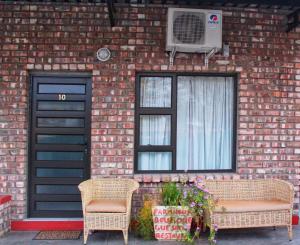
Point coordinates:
pixel 171 222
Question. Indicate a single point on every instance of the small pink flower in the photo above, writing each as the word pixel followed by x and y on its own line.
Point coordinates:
pixel 199 179
pixel 185 194
pixel 215 227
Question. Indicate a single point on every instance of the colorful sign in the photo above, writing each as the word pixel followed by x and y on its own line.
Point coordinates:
pixel 171 222
pixel 213 20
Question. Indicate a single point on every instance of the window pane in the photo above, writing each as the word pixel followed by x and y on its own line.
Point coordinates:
pixel 61 89
pixel 155 160
pixel 59 155
pixel 204 123
pixel 60 122
pixel 51 206
pixel 57 189
pixel 59 172
pixel 155 92
pixel 155 130
pixel 60 139
pixel 60 106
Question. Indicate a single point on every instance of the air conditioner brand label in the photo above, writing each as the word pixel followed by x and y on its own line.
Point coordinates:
pixel 213 20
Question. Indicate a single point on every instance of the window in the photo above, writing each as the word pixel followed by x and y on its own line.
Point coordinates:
pixel 185 123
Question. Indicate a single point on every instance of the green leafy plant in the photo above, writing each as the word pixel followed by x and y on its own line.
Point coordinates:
pixel 145 228
pixel 171 195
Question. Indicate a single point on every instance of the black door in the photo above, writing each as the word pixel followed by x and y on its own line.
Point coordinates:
pixel 59 154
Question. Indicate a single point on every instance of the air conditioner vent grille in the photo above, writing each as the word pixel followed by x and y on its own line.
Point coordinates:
pixel 189 28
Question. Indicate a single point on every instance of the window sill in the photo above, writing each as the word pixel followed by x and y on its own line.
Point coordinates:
pixel 180 177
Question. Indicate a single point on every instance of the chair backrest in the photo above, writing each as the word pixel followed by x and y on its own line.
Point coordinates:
pixel 110 188
pixel 262 189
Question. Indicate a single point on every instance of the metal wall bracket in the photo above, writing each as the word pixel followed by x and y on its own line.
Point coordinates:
pixel 209 55
pixel 172 56
pixel 293 20
pixel 111 11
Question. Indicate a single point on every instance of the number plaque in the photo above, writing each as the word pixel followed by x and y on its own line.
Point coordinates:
pixel 61 97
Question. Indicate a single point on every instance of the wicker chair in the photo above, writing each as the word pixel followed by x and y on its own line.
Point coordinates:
pixel 106 204
pixel 251 203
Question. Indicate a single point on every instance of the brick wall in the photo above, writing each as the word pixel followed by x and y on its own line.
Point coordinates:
pixel 64 38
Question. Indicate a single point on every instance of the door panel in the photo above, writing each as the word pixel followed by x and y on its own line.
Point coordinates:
pixel 59 88
pixel 60 106
pixel 46 122
pixel 60 139
pixel 59 144
pixel 59 172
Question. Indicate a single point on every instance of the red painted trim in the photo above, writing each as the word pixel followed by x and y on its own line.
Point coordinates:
pixel 4 198
pixel 20 225
pixel 295 220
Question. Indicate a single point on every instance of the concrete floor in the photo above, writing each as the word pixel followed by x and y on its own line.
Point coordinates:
pixel 260 236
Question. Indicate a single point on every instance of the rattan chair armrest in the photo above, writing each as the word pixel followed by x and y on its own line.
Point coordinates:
pixel 133 187
pixel 86 193
pixel 284 191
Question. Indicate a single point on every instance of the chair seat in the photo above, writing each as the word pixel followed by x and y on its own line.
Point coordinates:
pixel 235 206
pixel 106 206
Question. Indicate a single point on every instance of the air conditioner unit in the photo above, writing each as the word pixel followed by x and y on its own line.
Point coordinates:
pixel 194 30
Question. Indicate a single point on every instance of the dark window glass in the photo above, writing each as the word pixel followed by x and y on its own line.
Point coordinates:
pixel 59 172
pixel 61 89
pixel 57 189
pixel 60 122
pixel 52 206
pixel 60 139
pixel 59 155
pixel 60 106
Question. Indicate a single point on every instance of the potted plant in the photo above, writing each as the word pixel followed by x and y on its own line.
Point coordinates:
pixel 199 201
pixel 144 222
pixel 171 220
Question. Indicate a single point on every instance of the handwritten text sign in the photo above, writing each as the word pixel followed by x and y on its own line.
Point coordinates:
pixel 171 222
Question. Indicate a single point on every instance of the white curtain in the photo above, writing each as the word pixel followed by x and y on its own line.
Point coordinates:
pixel 155 160
pixel 155 92
pixel 204 122
pixel 155 129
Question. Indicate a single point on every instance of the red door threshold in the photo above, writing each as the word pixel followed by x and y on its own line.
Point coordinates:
pixel 46 225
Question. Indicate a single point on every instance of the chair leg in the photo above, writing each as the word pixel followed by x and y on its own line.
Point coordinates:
pixel 125 234
pixel 85 235
pixel 204 227
pixel 290 231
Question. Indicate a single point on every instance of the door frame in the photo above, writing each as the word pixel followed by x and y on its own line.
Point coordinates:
pixel 88 127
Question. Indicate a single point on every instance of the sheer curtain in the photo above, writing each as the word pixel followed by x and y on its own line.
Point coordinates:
pixel 155 92
pixel 155 129
pixel 204 122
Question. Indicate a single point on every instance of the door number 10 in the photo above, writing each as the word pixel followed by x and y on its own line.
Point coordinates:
pixel 61 97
